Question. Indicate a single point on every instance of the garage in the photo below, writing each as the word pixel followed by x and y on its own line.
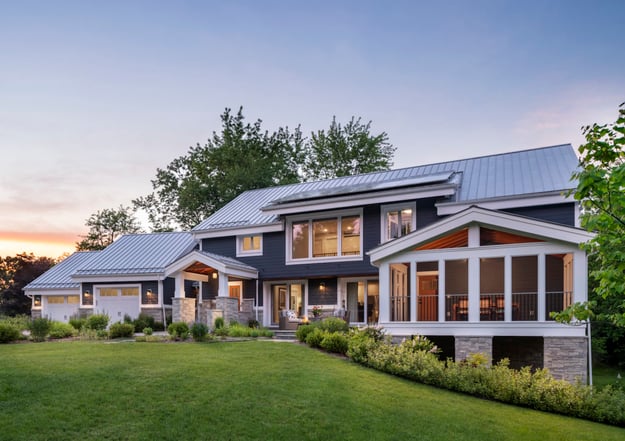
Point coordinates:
pixel 60 308
pixel 118 302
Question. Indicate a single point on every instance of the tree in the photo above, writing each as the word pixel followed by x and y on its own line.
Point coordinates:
pixel 346 150
pixel 601 192
pixel 241 157
pixel 15 273
pixel 107 225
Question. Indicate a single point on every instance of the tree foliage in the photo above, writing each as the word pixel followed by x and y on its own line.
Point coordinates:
pixel 346 150
pixel 15 273
pixel 601 192
pixel 243 156
pixel 107 225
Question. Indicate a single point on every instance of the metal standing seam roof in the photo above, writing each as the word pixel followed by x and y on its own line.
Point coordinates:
pixel 59 276
pixel 139 254
pixel 526 172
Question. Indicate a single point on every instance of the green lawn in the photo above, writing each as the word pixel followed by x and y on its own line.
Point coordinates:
pixel 243 390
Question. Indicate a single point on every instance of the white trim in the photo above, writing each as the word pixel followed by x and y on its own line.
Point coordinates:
pixel 520 329
pixel 447 208
pixel 335 214
pixel 242 230
pixel 231 269
pixel 244 253
pixel 385 209
pixel 361 199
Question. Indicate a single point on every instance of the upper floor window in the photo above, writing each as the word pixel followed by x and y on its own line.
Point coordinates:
pixel 398 220
pixel 325 237
pixel 250 245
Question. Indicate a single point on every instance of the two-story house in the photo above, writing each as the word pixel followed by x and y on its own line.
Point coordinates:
pixel 473 253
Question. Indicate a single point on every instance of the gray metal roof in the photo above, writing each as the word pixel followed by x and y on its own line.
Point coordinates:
pixel 513 174
pixel 139 254
pixel 59 276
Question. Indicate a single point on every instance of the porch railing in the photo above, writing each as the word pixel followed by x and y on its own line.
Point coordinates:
pixel 457 307
pixel 492 307
pixel 400 308
pixel 524 306
pixel 427 308
pixel 556 301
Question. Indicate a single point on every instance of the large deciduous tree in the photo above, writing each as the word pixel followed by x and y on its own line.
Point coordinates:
pixel 345 150
pixel 107 225
pixel 241 157
pixel 601 192
pixel 15 273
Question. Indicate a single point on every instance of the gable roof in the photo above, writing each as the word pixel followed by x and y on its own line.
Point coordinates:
pixel 484 217
pixel 545 170
pixel 59 276
pixel 138 254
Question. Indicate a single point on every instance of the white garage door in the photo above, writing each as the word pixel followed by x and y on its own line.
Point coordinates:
pixel 60 308
pixel 118 302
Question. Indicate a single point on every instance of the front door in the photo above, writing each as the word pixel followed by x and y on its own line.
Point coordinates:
pixel 287 296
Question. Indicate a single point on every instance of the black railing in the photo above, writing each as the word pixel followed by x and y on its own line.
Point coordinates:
pixel 524 306
pixel 457 307
pixel 491 307
pixel 427 308
pixel 400 308
pixel 556 301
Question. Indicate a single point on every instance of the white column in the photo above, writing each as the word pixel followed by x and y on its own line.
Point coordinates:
pixel 384 293
pixel 412 276
pixel 441 290
pixel 160 293
pixel 223 284
pixel 542 282
pixel 580 276
pixel 474 289
pixel 507 287
pixel 179 293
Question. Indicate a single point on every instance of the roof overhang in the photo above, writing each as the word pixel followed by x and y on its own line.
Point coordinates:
pixel 238 231
pixel 484 217
pixel 52 291
pixel 351 200
pixel 503 203
pixel 224 266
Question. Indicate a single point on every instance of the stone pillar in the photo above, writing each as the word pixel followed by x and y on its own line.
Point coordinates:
pixel 473 345
pixel 230 307
pixel 567 358
pixel 183 310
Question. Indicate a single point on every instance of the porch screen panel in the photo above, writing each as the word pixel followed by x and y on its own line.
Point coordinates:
pixel 559 282
pixel 427 291
pixel 492 289
pixel 524 288
pixel 457 290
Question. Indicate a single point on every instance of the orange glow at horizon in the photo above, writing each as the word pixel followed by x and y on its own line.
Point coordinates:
pixel 40 244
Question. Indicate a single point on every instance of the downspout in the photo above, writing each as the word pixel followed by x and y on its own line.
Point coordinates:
pixel 256 300
pixel 162 298
pixel 589 351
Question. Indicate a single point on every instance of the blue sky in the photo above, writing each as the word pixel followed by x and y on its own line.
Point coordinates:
pixel 94 96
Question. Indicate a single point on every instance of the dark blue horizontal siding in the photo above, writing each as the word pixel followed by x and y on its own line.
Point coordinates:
pixel 558 213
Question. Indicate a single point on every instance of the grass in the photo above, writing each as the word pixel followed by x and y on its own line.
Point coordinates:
pixel 242 391
pixel 604 375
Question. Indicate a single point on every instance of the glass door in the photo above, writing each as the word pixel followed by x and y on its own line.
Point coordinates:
pixel 287 296
pixel 362 301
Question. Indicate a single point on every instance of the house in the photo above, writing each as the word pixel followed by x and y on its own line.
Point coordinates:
pixel 473 253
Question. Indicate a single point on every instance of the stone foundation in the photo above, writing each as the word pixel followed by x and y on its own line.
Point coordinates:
pixel 567 358
pixel 155 313
pixel 35 313
pixel 473 345
pixel 230 308
pixel 183 310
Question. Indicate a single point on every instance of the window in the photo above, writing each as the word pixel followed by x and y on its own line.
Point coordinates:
pixel 398 220
pixel 250 245
pixel 56 300
pixel 73 300
pixel 130 292
pixel 325 237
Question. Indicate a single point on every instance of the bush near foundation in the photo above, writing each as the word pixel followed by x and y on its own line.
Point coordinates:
pixel 9 332
pixel 62 330
pixel 178 330
pixel 415 359
pixel 97 322
pixel 39 329
pixel 119 330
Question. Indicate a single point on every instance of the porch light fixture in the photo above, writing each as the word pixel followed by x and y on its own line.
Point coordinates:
pixel 215 275
pixel 149 293
pixel 87 293
pixel 322 287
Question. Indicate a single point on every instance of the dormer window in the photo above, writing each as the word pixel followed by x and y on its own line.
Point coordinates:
pixel 398 220
pixel 250 245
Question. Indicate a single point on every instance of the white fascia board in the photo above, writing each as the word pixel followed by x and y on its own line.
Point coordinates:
pixel 476 215
pixel 52 291
pixel 113 278
pixel 381 197
pixel 239 231
pixel 447 208
pixel 481 329
pixel 196 256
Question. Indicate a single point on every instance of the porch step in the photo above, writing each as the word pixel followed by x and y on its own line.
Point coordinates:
pixel 282 334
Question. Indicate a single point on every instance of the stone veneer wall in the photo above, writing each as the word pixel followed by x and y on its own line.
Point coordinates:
pixel 229 306
pixel 472 345
pixel 35 313
pixel 155 313
pixel 567 357
pixel 183 310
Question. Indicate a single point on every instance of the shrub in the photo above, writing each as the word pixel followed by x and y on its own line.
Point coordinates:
pixel 313 339
pixel 143 321
pixel 20 321
pixel 334 342
pixel 333 324
pixel 97 322
pixel 178 330
pixel 77 322
pixel 118 330
pixel 199 331
pixel 302 332
pixel 237 330
pixel 220 323
pixel 8 332
pixel 148 331
pixel 62 330
pixel 158 326
pixel 252 323
pixel 39 329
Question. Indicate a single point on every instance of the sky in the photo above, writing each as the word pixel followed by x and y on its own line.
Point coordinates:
pixel 95 96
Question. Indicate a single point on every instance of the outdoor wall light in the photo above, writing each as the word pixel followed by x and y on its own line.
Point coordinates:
pixel 87 293
pixel 322 287
pixel 214 275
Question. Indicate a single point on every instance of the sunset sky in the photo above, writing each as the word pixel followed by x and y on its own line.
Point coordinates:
pixel 94 96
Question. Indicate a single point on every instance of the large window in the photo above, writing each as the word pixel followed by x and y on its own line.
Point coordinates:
pixel 327 237
pixel 398 220
pixel 250 245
